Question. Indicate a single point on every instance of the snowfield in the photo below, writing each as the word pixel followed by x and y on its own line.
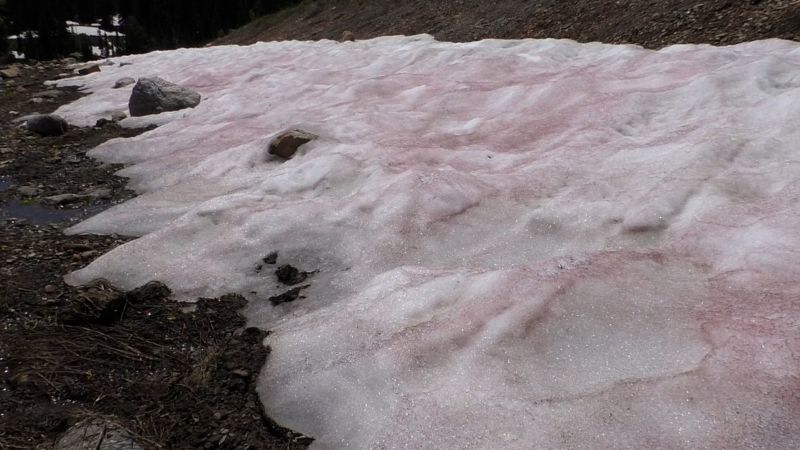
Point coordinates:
pixel 520 244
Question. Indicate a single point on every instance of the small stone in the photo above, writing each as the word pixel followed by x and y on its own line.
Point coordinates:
pixel 97 434
pixel 93 68
pixel 153 291
pixel 241 373
pixel 36 100
pixel 347 36
pixel 290 275
pixel 63 199
pixel 288 296
pixel 50 93
pixel 117 116
pixel 10 72
pixel 29 191
pixel 101 122
pixel 285 145
pixel 99 193
pixel 77 246
pixel 271 258
pixel 46 124
pixel 50 289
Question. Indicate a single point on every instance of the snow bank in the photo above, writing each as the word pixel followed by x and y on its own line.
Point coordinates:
pixel 520 244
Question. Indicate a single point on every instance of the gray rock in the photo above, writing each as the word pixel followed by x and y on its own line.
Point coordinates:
pixel 46 124
pixel 122 82
pixel 50 93
pixel 78 56
pixel 92 68
pixel 29 191
pixel 97 434
pixel 155 95
pixel 99 193
pixel 285 145
pixel 10 72
pixel 117 116
pixel 63 199
pixel 36 100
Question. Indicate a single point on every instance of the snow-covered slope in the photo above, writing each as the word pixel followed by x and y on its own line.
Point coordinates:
pixel 520 244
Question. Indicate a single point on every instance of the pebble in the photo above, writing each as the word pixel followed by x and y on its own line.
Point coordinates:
pixel 50 289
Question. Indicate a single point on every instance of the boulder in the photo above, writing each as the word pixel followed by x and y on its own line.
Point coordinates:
pixel 155 95
pixel 10 72
pixel 285 145
pixel 122 82
pixel 46 124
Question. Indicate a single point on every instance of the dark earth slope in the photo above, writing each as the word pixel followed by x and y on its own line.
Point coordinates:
pixel 650 23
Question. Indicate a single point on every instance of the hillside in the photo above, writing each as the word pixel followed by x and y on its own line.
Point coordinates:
pixel 650 23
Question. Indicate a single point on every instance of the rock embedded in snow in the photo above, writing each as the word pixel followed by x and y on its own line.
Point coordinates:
pixel 122 82
pixel 92 68
pixel 285 145
pixel 46 124
pixel 156 95
pixel 348 36
pixel 117 116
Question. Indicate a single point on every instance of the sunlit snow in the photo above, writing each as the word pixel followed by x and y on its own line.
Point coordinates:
pixel 520 244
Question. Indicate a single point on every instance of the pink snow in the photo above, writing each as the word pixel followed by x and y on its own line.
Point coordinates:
pixel 520 244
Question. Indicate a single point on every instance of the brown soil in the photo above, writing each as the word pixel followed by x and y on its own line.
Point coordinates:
pixel 168 376
pixel 650 23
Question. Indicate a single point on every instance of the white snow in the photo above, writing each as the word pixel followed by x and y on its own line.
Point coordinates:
pixel 520 244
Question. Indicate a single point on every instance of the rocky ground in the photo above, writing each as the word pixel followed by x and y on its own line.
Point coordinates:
pixel 93 367
pixel 650 23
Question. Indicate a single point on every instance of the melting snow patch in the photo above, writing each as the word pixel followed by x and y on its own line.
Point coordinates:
pixel 509 244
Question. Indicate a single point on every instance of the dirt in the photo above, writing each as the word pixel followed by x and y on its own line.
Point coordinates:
pixel 650 23
pixel 167 375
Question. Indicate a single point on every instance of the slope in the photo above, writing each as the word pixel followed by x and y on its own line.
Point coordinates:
pixel 650 23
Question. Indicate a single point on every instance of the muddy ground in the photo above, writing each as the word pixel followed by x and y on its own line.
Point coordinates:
pixel 650 23
pixel 136 369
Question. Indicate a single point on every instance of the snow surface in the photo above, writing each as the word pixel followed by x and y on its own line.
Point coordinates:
pixel 520 244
